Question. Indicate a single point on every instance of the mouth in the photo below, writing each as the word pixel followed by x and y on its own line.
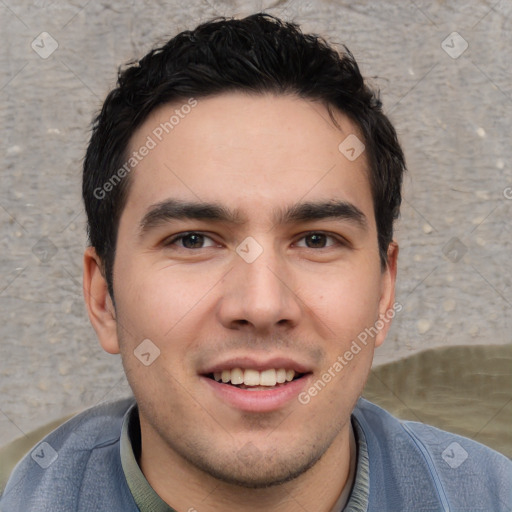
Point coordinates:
pixel 249 385
pixel 256 380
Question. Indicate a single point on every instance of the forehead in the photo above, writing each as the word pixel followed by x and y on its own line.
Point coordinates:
pixel 248 152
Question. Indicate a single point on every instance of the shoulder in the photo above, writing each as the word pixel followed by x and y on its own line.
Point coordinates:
pixel 76 467
pixel 426 464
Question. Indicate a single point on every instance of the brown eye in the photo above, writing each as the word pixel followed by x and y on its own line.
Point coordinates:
pixel 191 241
pixel 316 241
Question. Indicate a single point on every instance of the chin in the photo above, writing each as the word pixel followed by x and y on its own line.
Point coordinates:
pixel 251 469
pixel 261 477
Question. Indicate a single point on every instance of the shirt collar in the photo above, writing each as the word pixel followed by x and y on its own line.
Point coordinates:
pixel 358 501
pixel 144 495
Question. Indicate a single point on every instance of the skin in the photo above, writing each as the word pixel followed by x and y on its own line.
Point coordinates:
pixel 201 305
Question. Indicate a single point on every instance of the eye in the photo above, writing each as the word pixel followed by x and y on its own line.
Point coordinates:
pixel 317 241
pixel 192 240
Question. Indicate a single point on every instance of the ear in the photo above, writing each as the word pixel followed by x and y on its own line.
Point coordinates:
pixel 99 303
pixel 387 306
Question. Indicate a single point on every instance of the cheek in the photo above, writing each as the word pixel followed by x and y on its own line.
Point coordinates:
pixel 347 302
pixel 155 303
pixel 156 318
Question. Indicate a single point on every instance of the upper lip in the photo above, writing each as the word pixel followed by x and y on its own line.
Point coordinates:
pixel 255 363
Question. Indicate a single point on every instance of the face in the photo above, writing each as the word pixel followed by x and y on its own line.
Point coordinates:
pixel 247 254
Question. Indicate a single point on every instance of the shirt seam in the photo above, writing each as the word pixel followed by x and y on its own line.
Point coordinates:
pixel 431 466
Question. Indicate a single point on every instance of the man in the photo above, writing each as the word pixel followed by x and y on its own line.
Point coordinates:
pixel 241 184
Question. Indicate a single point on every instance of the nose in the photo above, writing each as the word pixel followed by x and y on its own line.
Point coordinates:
pixel 259 296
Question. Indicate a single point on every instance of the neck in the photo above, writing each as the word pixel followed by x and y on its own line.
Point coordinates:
pixel 185 487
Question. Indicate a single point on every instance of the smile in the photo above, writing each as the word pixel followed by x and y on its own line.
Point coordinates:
pixel 255 391
pixel 255 380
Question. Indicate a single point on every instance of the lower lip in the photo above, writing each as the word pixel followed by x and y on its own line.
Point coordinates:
pixel 257 400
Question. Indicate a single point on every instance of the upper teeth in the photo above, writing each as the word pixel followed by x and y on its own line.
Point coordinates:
pixel 269 377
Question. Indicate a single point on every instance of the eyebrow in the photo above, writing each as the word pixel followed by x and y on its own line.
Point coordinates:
pixel 175 209
pixel 309 211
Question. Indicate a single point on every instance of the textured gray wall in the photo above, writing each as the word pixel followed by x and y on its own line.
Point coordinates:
pixel 452 112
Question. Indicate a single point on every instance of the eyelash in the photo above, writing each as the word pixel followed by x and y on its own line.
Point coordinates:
pixel 181 236
pixel 338 240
